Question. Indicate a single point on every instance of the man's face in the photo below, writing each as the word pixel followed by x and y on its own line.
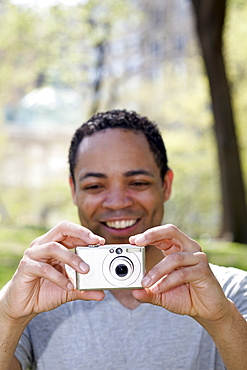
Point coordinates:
pixel 118 188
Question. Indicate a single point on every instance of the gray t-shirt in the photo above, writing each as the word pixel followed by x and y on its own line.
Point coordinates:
pixel 106 335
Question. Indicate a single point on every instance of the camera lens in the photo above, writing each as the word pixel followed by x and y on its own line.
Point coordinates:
pixel 121 270
pixel 119 250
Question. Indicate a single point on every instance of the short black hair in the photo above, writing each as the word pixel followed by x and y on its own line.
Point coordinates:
pixel 128 120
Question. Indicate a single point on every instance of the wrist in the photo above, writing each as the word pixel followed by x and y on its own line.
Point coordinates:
pixel 10 320
pixel 230 336
pixel 223 324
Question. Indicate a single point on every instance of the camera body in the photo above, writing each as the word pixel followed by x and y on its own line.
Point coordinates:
pixel 112 266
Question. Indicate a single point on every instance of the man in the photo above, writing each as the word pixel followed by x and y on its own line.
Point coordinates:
pixel 188 316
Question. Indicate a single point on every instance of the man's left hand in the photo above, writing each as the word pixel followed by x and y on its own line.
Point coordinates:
pixel 182 282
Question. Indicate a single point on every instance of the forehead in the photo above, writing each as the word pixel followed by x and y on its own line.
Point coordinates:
pixel 115 149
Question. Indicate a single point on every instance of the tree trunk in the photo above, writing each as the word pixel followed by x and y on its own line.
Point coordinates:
pixel 97 85
pixel 210 15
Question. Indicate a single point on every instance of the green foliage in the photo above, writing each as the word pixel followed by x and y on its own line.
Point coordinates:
pixel 17 44
pixel 58 42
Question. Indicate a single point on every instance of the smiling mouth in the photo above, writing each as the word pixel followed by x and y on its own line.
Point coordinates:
pixel 120 224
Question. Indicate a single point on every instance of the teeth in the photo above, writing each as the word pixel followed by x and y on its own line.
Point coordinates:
pixel 121 224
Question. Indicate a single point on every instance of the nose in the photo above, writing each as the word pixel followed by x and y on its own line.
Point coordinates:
pixel 117 197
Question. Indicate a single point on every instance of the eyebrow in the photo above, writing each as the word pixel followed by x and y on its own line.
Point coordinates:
pixel 127 174
pixel 138 172
pixel 99 175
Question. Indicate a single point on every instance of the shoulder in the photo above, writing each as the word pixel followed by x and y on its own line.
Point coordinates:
pixel 227 275
pixel 234 284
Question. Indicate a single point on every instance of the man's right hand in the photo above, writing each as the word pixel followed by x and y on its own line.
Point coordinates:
pixel 41 283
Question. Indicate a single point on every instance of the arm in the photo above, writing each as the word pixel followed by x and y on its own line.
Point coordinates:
pixel 41 284
pixel 230 337
pixel 183 283
pixel 10 333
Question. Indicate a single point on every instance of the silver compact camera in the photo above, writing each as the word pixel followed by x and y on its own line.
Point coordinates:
pixel 112 266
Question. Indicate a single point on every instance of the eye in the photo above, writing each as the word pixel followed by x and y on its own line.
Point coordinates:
pixel 93 188
pixel 96 186
pixel 139 184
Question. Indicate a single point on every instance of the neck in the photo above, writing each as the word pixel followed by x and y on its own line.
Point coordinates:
pixel 124 296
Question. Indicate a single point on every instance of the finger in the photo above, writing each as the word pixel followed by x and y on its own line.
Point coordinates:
pixel 170 263
pixel 166 237
pixel 195 274
pixel 56 251
pixel 90 295
pixel 142 295
pixel 70 234
pixel 37 269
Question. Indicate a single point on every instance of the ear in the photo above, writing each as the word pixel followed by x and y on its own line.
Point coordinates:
pixel 72 188
pixel 167 185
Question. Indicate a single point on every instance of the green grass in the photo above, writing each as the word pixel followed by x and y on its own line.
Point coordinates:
pixel 226 253
pixel 14 240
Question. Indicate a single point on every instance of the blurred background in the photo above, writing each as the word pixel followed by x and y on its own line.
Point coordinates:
pixel 182 63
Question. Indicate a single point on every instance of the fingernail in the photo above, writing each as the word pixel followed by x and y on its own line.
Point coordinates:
pixel 155 289
pixel 146 281
pixel 140 240
pixel 70 286
pixel 84 268
pixel 131 238
pixel 99 239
